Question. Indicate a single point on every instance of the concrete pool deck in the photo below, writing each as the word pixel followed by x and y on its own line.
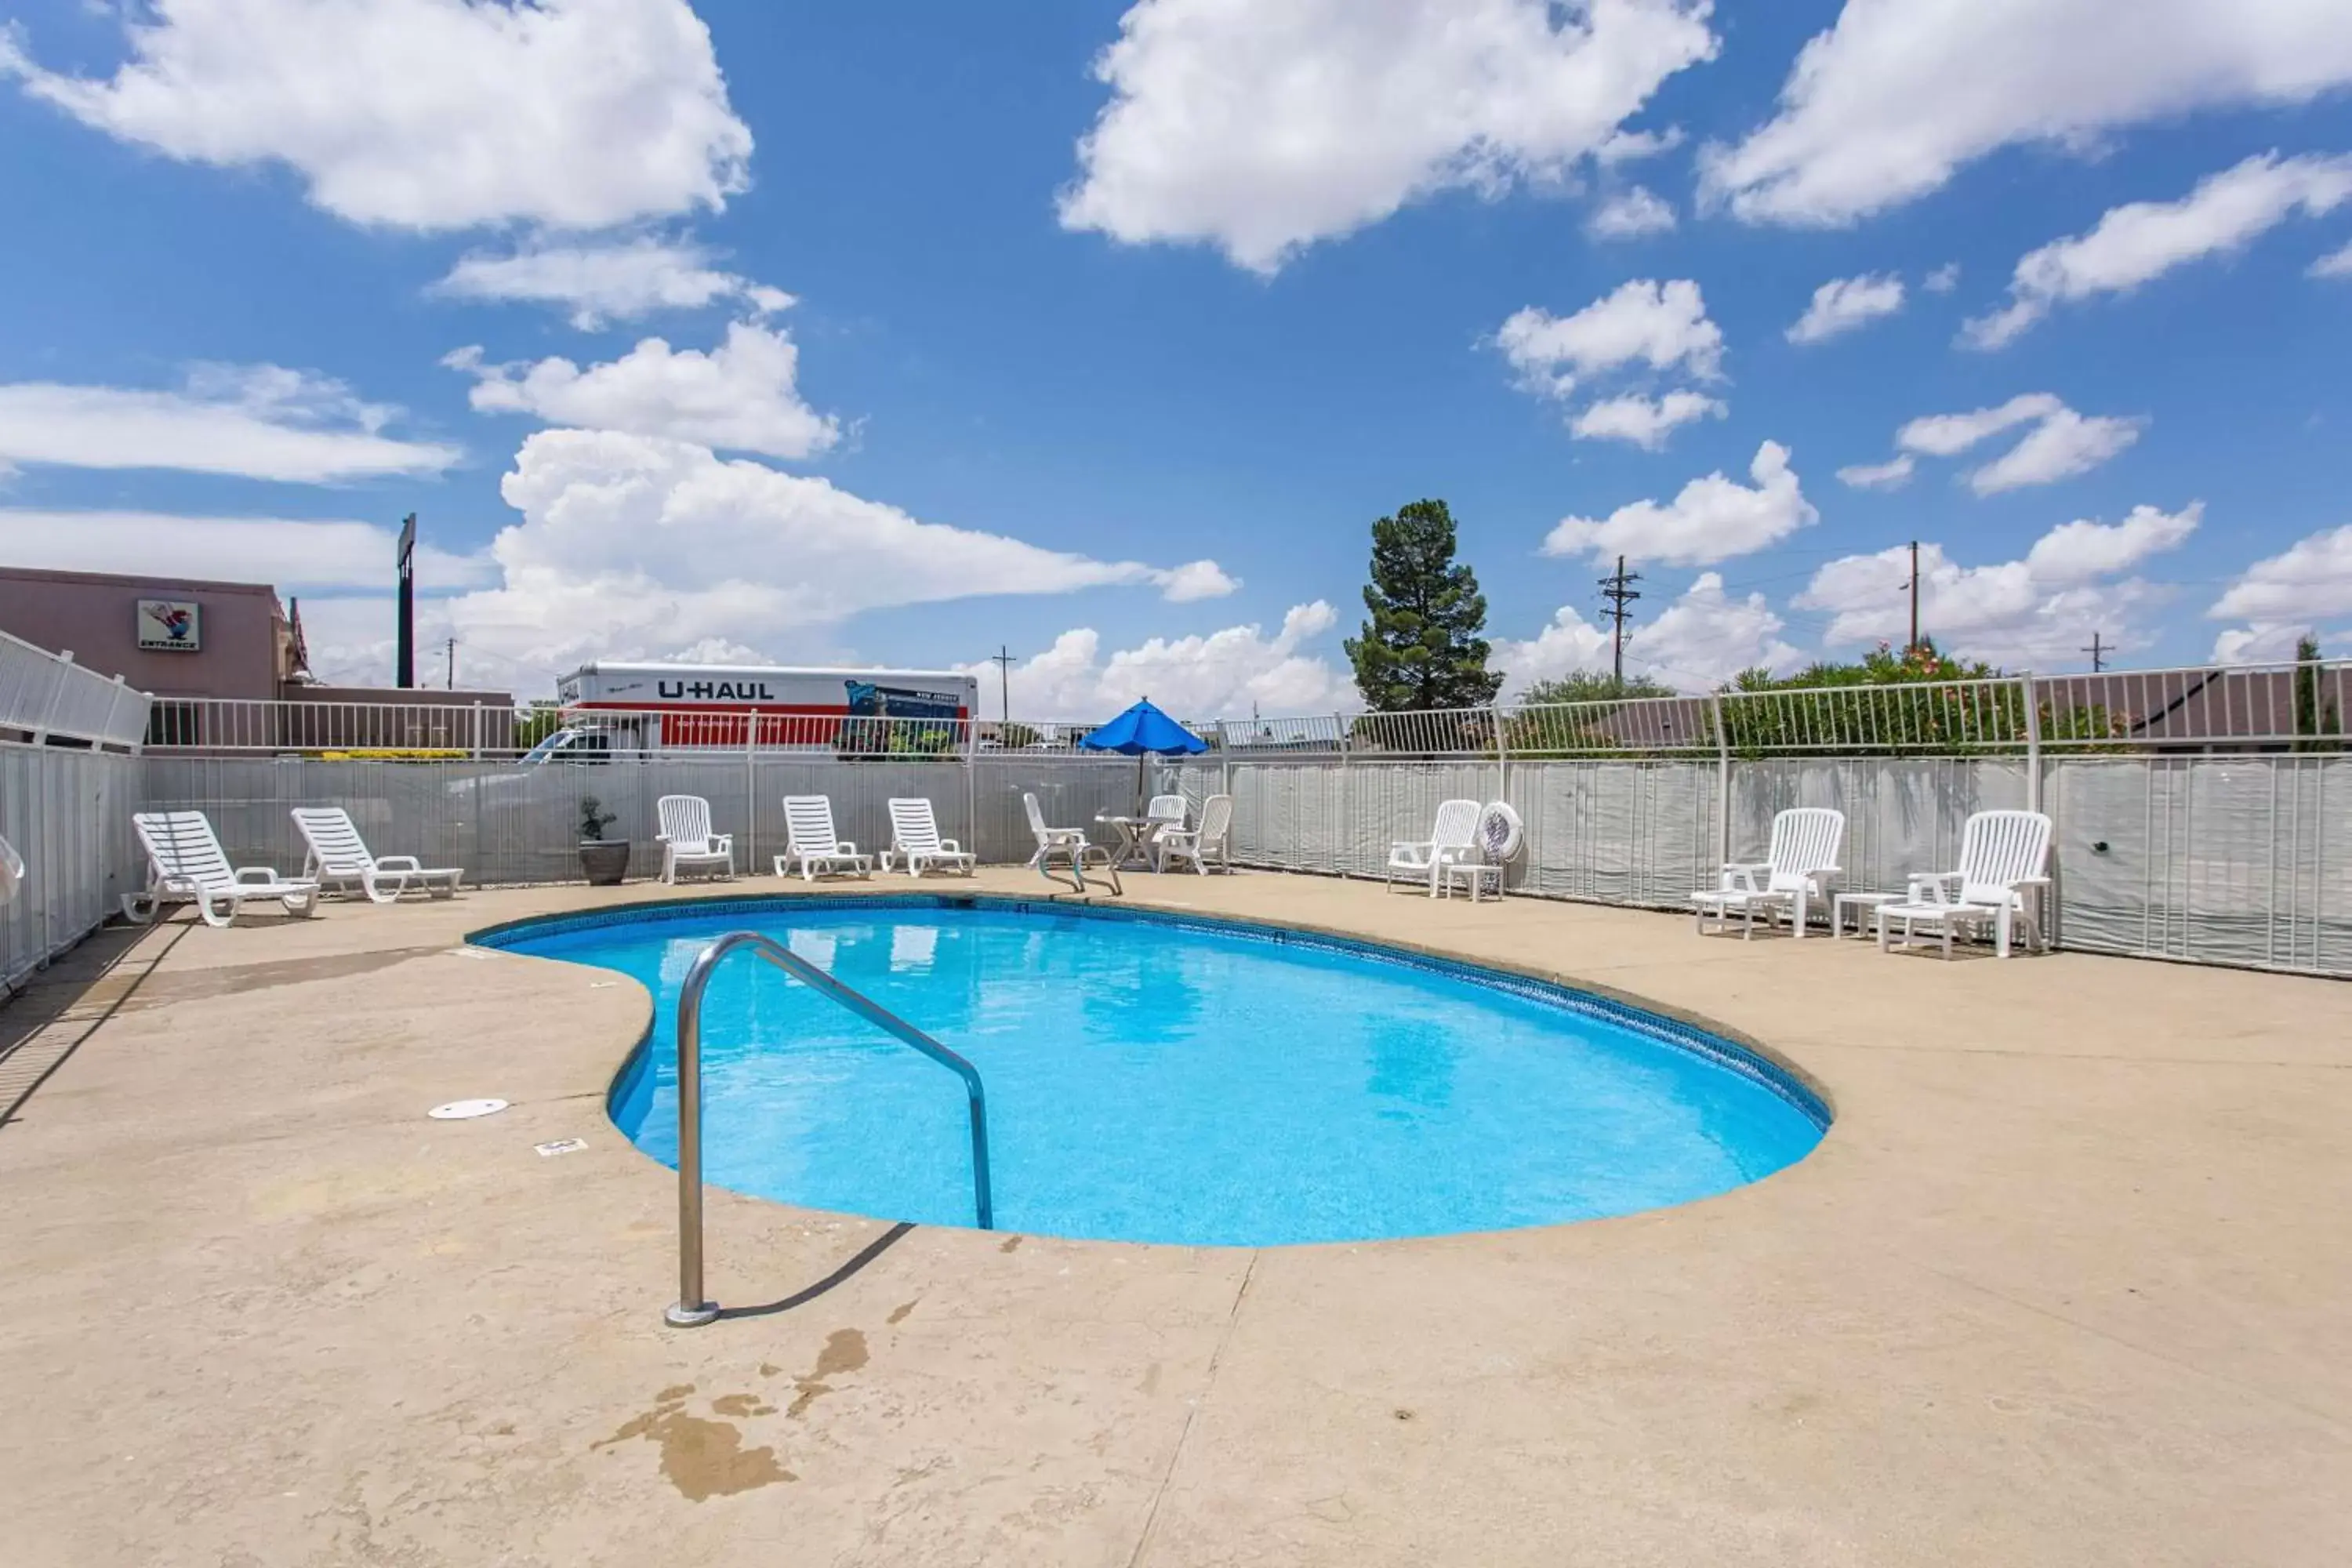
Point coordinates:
pixel 2066 1284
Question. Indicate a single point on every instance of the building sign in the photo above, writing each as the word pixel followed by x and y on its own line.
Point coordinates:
pixel 169 625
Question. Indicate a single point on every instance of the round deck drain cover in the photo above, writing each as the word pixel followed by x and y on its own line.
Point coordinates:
pixel 466 1110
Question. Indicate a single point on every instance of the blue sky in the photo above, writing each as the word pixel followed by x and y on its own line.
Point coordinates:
pixel 1129 408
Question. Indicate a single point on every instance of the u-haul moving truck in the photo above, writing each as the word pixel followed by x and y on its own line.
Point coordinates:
pixel 680 706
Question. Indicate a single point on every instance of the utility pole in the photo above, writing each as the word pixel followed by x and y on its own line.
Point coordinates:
pixel 1002 659
pixel 1913 645
pixel 1618 589
pixel 450 683
pixel 2098 650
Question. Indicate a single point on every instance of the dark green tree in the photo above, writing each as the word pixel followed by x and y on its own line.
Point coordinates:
pixel 1421 647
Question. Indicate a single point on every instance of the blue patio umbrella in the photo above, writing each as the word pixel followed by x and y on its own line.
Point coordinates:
pixel 1144 731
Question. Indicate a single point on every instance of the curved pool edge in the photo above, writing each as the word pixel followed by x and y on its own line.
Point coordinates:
pixel 1675 1028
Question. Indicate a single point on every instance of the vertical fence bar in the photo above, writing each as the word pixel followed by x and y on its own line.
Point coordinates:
pixel 1722 779
pixel 1502 759
pixel 2032 742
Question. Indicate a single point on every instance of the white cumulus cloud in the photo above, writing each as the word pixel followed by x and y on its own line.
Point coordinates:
pixel 2335 264
pixel 1263 126
pixel 1712 519
pixel 599 282
pixel 1888 476
pixel 2282 596
pixel 1646 422
pixel 429 114
pixel 1887 104
pixel 1220 675
pixel 2037 610
pixel 2059 448
pixel 1659 325
pixel 640 547
pixel 741 396
pixel 2061 444
pixel 1841 304
pixel 1630 214
pixel 260 422
pixel 2141 240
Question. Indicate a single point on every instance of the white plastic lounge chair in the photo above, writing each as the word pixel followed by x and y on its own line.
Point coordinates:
pixel 1452 838
pixel 1197 844
pixel 2003 854
pixel 1069 845
pixel 686 837
pixel 338 857
pixel 185 863
pixel 915 838
pixel 812 842
pixel 1794 874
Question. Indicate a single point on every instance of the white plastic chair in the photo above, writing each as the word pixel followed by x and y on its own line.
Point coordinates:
pixel 1798 869
pixel 338 857
pixel 813 844
pixel 915 838
pixel 686 837
pixel 1069 845
pixel 1166 811
pixel 2003 856
pixel 1197 844
pixel 1452 838
pixel 185 863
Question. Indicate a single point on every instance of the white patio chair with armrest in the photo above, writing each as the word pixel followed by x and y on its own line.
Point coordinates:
pixel 2004 858
pixel 185 863
pixel 1452 838
pixel 686 837
pixel 1798 869
pixel 1197 844
pixel 812 842
pixel 915 838
pixel 338 857
pixel 1069 845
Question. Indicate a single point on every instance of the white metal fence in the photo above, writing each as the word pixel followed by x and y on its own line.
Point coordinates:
pixel 46 695
pixel 68 812
pixel 2200 815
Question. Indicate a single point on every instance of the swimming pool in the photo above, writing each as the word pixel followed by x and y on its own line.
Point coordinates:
pixel 1174 1079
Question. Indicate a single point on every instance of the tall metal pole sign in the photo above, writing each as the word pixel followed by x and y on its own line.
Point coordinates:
pixel 405 659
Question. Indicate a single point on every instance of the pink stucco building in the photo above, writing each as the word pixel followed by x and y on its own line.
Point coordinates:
pixel 232 641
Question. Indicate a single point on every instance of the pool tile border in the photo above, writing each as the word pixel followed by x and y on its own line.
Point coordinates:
pixel 1728 1053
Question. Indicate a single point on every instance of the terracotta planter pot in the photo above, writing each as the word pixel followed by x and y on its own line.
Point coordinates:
pixel 606 861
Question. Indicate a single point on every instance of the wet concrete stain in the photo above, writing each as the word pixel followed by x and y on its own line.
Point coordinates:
pixel 845 1351
pixel 1010 1244
pixel 703 1459
pixel 742 1404
pixel 1150 1380
pixel 899 1313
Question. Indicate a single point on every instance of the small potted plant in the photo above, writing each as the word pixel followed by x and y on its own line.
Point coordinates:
pixel 606 860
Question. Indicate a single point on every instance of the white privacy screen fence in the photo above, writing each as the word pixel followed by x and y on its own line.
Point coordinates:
pixel 2201 815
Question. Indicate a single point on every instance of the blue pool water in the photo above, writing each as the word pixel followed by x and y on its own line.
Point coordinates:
pixel 1156 1081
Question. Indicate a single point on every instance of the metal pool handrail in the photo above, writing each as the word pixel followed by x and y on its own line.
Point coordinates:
pixel 692 1308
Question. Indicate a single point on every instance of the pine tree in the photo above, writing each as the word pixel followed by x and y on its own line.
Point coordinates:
pixel 1421 647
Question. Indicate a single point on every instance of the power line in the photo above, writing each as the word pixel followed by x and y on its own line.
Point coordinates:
pixel 2098 650
pixel 1618 589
